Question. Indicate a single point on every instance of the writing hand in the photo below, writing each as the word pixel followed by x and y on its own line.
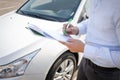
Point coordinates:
pixel 71 30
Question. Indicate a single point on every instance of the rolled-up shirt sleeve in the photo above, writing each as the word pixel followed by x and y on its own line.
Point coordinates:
pixel 82 26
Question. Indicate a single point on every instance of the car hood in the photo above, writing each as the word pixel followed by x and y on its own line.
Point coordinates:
pixel 14 35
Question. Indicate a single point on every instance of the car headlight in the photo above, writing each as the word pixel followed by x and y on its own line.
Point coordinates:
pixel 17 67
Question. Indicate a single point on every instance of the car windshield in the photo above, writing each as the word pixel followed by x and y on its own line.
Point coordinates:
pixel 56 10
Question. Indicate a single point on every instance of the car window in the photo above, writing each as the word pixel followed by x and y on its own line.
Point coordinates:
pixel 63 9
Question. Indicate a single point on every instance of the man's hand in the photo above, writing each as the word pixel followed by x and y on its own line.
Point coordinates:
pixel 72 30
pixel 74 45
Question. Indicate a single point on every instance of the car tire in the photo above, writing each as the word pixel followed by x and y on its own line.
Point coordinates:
pixel 63 68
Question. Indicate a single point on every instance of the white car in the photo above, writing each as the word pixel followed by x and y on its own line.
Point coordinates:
pixel 27 55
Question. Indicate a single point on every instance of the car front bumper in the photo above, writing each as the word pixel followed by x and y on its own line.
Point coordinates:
pixel 26 77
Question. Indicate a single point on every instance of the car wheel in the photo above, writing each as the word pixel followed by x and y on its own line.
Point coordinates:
pixel 63 68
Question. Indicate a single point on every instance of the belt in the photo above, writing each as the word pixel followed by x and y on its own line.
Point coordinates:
pixel 91 64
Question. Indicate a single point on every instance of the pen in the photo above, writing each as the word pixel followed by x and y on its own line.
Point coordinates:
pixel 68 24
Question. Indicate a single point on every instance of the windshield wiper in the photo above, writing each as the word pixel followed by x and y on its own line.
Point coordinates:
pixel 28 13
pixel 36 15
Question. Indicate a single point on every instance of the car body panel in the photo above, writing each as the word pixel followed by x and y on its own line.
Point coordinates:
pixel 10 42
pixel 27 42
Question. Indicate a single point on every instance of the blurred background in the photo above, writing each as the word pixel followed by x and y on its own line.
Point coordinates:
pixel 9 5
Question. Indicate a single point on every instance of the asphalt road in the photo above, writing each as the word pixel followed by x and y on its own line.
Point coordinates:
pixel 9 5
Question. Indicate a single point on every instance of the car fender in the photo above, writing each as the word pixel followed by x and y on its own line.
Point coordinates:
pixel 43 61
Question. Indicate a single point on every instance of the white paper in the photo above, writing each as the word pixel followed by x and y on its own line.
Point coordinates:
pixel 57 35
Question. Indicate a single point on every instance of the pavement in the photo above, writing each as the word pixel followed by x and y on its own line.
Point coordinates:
pixel 9 5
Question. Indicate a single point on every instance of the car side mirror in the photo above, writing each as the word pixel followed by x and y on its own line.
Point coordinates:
pixel 85 16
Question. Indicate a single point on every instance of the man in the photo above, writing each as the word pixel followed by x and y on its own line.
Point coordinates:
pixel 101 59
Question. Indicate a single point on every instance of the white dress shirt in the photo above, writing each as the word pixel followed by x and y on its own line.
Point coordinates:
pixel 102 33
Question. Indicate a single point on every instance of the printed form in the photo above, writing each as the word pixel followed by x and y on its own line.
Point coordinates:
pixel 57 35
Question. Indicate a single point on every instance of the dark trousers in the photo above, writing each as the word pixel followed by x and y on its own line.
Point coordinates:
pixel 90 71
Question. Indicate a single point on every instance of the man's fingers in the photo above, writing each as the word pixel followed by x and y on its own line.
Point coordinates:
pixel 67 31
